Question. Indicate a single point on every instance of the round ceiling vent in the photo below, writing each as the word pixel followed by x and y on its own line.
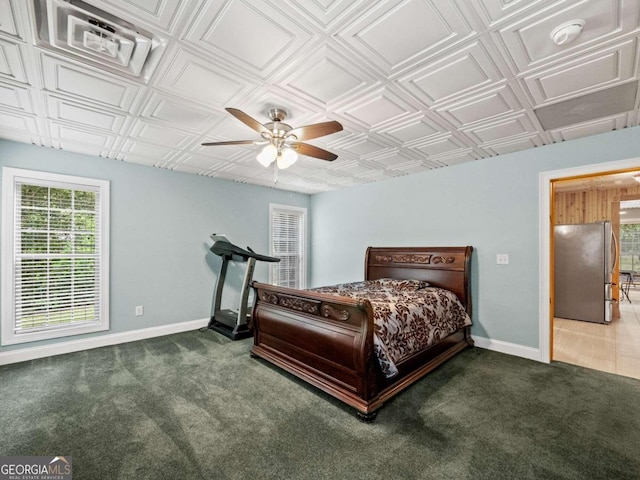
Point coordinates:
pixel 567 32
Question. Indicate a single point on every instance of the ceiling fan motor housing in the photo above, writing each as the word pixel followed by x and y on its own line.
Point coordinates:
pixel 277 114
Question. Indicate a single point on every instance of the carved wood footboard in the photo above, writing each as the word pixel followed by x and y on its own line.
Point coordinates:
pixel 328 340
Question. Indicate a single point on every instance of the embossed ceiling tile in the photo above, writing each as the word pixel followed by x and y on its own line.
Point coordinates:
pixel 301 185
pixel 440 146
pixel 176 112
pixel 158 153
pixel 13 15
pixel 502 129
pixel 495 11
pixel 326 77
pixel 413 168
pixel 299 110
pixel 18 122
pixel 513 145
pixel 87 84
pixel 160 13
pixel 604 68
pixel 242 170
pixel 463 156
pixel 93 150
pixel 188 169
pixel 327 13
pixel 286 181
pixel 12 61
pixel 330 175
pixel 466 70
pixel 16 97
pixel 412 131
pixel 421 28
pixel 159 134
pixel 377 175
pixel 395 160
pixel 528 42
pixel 378 109
pixel 22 137
pixel 482 108
pixel 633 118
pixel 355 167
pixel 304 167
pixel 148 161
pixel 83 115
pixel 223 29
pixel 594 127
pixel 203 81
pixel 361 146
pixel 75 135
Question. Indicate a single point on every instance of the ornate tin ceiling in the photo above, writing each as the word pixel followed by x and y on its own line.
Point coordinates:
pixel 417 84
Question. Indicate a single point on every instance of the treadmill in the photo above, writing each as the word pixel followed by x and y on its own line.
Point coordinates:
pixel 233 324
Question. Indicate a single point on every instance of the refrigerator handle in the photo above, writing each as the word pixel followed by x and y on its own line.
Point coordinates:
pixel 615 251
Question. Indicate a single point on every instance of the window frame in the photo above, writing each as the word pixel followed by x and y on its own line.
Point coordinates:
pixel 10 177
pixel 302 212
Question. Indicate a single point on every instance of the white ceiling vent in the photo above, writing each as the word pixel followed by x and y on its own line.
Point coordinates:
pixel 86 33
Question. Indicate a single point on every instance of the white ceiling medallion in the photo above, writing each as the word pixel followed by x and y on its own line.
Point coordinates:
pixel 567 32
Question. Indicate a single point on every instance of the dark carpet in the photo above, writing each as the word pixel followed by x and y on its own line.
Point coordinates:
pixel 196 406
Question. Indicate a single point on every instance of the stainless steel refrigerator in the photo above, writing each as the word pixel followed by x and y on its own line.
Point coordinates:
pixel 584 259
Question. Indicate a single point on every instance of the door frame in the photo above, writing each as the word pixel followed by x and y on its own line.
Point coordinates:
pixel 545 219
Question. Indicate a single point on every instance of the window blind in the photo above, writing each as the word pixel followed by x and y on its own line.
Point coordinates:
pixel 287 244
pixel 56 256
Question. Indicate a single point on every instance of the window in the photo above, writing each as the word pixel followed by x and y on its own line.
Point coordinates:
pixel 55 266
pixel 287 242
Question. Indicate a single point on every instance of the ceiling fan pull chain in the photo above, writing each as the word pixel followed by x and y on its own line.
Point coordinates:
pixel 275 173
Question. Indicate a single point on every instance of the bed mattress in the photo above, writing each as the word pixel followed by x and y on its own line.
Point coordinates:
pixel 409 316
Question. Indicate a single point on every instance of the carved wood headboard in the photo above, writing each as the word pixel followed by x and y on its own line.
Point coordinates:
pixel 445 267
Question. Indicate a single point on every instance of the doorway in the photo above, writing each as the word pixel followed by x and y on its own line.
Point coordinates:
pixel 547 181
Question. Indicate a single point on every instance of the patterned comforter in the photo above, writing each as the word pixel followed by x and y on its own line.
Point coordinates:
pixel 409 316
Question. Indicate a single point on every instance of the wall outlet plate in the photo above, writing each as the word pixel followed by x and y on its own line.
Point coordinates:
pixel 139 311
pixel 502 258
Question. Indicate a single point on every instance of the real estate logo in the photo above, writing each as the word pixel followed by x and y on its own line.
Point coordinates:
pixel 36 468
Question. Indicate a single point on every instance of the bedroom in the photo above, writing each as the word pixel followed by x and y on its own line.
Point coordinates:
pixel 161 219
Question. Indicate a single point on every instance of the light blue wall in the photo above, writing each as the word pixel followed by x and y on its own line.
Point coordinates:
pixel 160 227
pixel 491 204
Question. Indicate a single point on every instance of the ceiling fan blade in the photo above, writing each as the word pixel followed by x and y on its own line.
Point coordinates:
pixel 233 142
pixel 316 130
pixel 249 121
pixel 311 151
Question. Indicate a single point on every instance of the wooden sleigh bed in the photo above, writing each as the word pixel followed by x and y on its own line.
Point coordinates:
pixel 327 340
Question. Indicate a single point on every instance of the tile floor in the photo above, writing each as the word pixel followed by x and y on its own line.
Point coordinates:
pixel 613 348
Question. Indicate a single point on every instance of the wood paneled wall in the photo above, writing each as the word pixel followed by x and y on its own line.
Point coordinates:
pixel 590 205
pixel 595 205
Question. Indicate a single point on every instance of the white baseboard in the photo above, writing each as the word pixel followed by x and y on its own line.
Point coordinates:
pixel 25 354
pixel 508 348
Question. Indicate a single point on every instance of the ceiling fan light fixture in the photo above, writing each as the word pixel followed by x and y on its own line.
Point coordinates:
pixel 268 155
pixel 287 158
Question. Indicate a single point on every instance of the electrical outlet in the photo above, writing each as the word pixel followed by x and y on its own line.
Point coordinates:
pixel 502 258
pixel 139 311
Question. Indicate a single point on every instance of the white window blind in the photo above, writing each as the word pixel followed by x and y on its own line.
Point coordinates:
pixel 58 261
pixel 287 243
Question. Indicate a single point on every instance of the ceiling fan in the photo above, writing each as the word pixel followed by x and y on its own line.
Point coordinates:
pixel 282 142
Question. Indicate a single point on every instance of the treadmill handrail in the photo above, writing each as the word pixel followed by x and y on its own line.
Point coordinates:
pixel 224 248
